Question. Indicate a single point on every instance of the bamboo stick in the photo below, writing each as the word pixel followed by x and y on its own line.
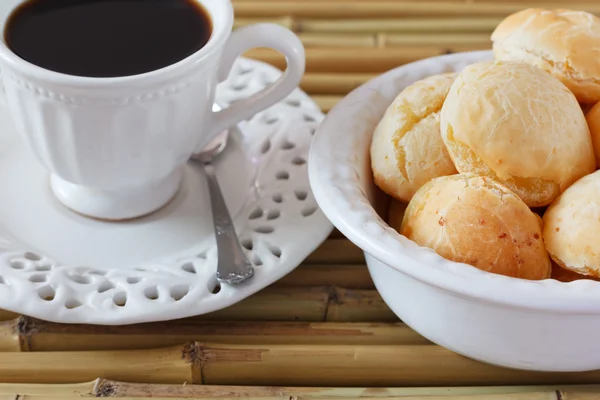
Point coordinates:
pixel 548 395
pixel 46 336
pixel 78 390
pixel 278 304
pixel 333 83
pixel 147 396
pixel 545 395
pixel 10 337
pixel 354 305
pixel 361 25
pixel 165 365
pixel 105 388
pixel 286 22
pixel 538 395
pixel 577 396
pixel 357 60
pixel 393 39
pixel 326 103
pixel 360 366
pixel 337 40
pixel 384 9
pixel 349 276
pixel 414 25
pixel 311 304
pixel 340 251
pixel 288 365
pixel 7 315
pixel 429 39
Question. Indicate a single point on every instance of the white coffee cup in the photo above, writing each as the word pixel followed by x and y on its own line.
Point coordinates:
pixel 115 147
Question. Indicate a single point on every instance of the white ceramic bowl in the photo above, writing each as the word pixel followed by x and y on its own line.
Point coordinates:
pixel 535 325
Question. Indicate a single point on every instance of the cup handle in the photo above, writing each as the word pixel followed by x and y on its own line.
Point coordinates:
pixel 246 38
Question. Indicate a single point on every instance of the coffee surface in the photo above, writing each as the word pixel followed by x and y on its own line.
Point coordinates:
pixel 107 38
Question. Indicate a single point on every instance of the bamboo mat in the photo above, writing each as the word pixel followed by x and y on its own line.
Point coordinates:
pixel 323 331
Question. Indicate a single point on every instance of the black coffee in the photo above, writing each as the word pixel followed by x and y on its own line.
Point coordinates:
pixel 107 38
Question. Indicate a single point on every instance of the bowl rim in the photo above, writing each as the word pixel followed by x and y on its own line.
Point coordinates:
pixel 335 183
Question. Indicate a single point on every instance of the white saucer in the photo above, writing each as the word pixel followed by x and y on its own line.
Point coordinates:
pixel 60 266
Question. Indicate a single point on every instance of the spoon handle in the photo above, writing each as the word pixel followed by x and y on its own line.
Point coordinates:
pixel 233 266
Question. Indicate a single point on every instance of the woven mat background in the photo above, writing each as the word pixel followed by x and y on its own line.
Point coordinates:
pixel 324 325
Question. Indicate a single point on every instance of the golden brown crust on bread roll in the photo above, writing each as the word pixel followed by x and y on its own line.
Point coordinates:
pixel 571 223
pixel 563 42
pixel 407 150
pixel 519 125
pixel 593 120
pixel 476 220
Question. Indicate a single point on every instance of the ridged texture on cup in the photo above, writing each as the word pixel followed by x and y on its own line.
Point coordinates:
pixel 519 125
pixel 475 220
pixel 407 149
pixel 563 42
pixel 571 227
pixel 593 120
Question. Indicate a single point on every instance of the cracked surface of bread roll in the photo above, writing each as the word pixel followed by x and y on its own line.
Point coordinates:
pixel 407 149
pixel 571 227
pixel 563 42
pixel 519 125
pixel 475 220
pixel 593 120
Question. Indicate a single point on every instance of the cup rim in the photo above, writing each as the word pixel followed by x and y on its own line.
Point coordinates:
pixel 220 33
